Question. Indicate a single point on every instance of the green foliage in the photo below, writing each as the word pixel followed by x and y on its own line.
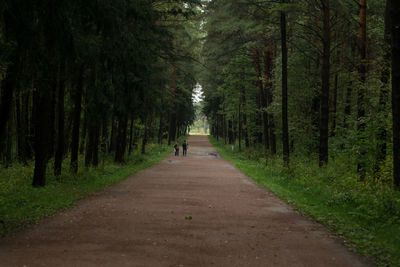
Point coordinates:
pixel 21 205
pixel 200 126
pixel 366 214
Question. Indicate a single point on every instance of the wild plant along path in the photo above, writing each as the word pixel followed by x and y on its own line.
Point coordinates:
pixel 197 210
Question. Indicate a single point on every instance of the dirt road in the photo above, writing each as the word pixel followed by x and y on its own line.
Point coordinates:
pixel 197 210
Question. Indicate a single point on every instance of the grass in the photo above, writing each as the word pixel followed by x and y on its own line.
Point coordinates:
pixel 366 215
pixel 22 205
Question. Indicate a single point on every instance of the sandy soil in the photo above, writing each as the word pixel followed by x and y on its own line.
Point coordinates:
pixel 197 210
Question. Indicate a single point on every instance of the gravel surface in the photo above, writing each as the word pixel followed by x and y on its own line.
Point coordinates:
pixel 197 210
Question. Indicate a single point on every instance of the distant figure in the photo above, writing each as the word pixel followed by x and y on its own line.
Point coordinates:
pixel 176 147
pixel 184 147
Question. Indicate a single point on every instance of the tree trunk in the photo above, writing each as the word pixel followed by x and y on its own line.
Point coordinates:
pixel 172 125
pixel 285 129
pixel 76 121
pixel 263 101
pixel 268 68
pixel 113 137
pixel 68 133
pixel 230 132
pixel 146 133
pixel 131 137
pixel 92 145
pixel 26 99
pixel 240 128
pixel 89 145
pixel 334 105
pixel 83 133
pixel 325 74
pixel 121 139
pixel 52 126
pixel 43 140
pixel 7 90
pixel 59 155
pixel 9 144
pixel 172 128
pixel 383 97
pixel 395 30
pixel 347 108
pixel 160 130
pixel 95 146
pixel 362 70
pixel 21 128
pixel 244 127
pixel 104 136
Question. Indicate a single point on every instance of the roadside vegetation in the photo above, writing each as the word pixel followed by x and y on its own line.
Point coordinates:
pixel 22 205
pixel 366 215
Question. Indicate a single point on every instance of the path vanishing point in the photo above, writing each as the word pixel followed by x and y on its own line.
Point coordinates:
pixel 197 210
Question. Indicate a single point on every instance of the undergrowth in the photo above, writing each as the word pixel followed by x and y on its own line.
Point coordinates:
pixel 365 214
pixel 22 205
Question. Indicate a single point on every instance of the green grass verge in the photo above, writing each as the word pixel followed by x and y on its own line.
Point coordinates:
pixel 21 205
pixel 367 216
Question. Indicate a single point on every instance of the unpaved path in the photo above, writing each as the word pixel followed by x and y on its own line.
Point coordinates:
pixel 145 221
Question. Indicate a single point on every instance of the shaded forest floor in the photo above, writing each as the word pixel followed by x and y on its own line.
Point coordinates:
pixel 366 215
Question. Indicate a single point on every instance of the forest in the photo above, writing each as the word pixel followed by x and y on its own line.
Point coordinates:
pixel 305 89
pixel 306 79
pixel 304 97
pixel 90 78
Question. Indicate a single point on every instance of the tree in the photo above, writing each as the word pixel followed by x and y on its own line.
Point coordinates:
pixel 362 69
pixel 395 41
pixel 285 131
pixel 325 74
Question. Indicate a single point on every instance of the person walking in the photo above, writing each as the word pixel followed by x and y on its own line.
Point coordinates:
pixel 176 147
pixel 184 147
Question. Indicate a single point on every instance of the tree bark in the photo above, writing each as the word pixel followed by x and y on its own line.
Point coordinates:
pixel 9 144
pixel 59 155
pixel 104 136
pixel 395 40
pixel 113 135
pixel 76 121
pixel 7 90
pixel 240 127
pixel 244 127
pixel 95 146
pixel 334 105
pixel 42 139
pixel 325 74
pixel 26 108
pixel 52 126
pixel 121 139
pixel 146 133
pixel 383 96
pixel 83 133
pixel 131 137
pixel 285 129
pixel 230 132
pixel 160 130
pixel 21 128
pixel 172 125
pixel 362 70
pixel 263 101
pixel 89 145
pixel 268 68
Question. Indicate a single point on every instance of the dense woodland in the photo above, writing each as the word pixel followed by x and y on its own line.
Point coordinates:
pixel 308 78
pixel 93 78
pixel 313 79
pixel 302 95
